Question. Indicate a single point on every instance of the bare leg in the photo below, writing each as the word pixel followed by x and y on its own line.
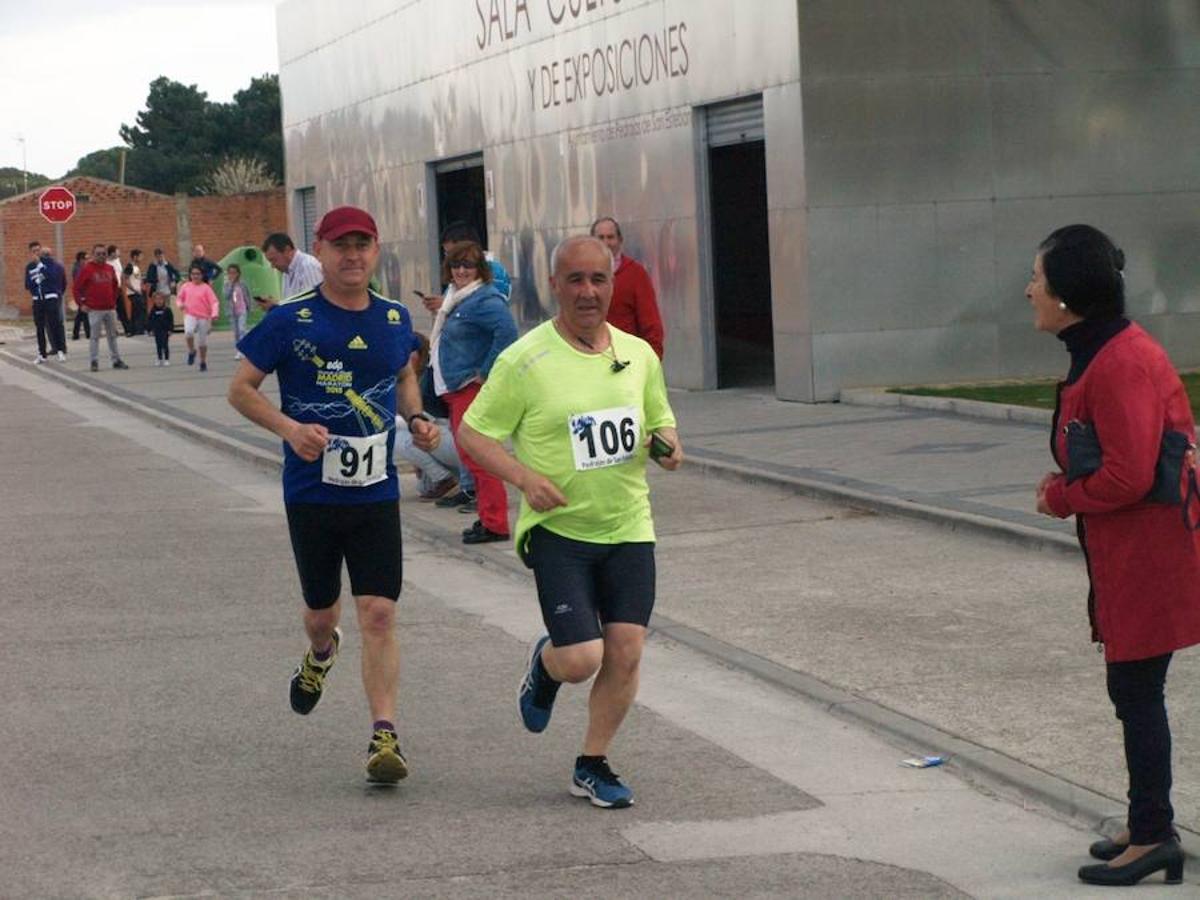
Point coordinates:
pixel 319 625
pixel 380 655
pixel 615 686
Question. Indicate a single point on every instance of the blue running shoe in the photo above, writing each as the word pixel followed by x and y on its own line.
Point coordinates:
pixel 537 690
pixel 596 781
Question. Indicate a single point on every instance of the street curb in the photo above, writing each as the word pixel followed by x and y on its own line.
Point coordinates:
pixel 1095 809
pixel 1022 535
pixel 209 438
pixel 976 409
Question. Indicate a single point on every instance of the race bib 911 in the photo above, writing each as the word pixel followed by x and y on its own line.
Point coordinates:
pixel 604 437
pixel 355 461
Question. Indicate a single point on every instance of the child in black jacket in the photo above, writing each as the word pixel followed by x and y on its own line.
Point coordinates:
pixel 160 322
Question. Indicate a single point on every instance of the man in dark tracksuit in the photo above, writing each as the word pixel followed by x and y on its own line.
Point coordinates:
pixel 46 281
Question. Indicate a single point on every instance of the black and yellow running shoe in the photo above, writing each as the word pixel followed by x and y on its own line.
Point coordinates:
pixel 309 678
pixel 385 763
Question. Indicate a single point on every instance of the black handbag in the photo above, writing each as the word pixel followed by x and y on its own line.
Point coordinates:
pixel 1176 450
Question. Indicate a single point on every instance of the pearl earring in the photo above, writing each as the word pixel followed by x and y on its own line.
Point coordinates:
pixel 1062 306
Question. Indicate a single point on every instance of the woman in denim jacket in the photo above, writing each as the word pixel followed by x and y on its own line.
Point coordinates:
pixel 472 327
pixel 1120 411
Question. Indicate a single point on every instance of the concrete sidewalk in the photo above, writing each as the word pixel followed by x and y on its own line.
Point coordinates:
pixel 932 463
pixel 949 642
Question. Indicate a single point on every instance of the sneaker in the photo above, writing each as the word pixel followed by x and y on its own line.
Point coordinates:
pixel 596 781
pixel 385 763
pixel 309 678
pixel 191 358
pixel 166 362
pixel 158 362
pixel 471 506
pixel 62 357
pixel 119 364
pixel 481 534
pixel 453 500
pixel 537 690
pixel 39 360
pixel 439 490
pixel 95 366
pixel 203 367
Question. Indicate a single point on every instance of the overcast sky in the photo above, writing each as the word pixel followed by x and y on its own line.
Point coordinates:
pixel 71 73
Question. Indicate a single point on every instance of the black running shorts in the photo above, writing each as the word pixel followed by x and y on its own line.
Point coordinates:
pixel 583 586
pixel 366 536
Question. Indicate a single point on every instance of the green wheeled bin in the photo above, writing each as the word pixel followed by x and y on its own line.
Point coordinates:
pixel 260 276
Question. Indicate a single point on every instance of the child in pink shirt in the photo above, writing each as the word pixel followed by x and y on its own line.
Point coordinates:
pixel 200 306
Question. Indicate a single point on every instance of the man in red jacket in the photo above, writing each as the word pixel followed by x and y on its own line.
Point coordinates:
pixel 97 291
pixel 634 307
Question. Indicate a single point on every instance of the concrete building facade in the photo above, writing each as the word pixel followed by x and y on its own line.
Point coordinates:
pixel 827 193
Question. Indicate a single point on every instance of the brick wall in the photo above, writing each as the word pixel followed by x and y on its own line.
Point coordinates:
pixel 110 213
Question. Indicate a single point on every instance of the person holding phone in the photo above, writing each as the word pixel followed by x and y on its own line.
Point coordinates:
pixel 585 405
pixel 301 271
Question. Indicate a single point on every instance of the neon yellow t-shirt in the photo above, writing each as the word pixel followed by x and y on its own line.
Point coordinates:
pixel 583 426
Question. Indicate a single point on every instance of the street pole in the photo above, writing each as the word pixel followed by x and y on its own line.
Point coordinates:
pixel 62 258
pixel 24 164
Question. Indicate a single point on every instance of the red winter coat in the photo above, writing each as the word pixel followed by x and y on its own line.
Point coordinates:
pixel 634 308
pixel 1144 564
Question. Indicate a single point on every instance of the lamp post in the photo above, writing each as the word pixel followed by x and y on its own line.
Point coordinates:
pixel 24 166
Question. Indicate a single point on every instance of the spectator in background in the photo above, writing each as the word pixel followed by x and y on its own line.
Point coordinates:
pixel 160 323
pixel 210 269
pixel 437 469
pixel 46 282
pixel 132 274
pixel 200 306
pixel 81 317
pixel 237 295
pixel 97 290
pixel 162 277
pixel 114 259
pixel 301 272
pixel 634 306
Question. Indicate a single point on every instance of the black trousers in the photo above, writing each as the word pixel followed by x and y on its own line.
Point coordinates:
pixel 47 320
pixel 81 320
pixel 162 344
pixel 137 318
pixel 1136 690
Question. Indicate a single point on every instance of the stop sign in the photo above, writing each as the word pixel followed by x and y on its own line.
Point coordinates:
pixel 56 204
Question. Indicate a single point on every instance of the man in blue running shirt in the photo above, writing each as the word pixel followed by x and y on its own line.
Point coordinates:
pixel 340 352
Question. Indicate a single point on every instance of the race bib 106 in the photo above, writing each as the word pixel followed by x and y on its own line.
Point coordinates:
pixel 355 461
pixel 604 437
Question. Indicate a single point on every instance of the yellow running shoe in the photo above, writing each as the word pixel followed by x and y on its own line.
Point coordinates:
pixel 309 678
pixel 385 763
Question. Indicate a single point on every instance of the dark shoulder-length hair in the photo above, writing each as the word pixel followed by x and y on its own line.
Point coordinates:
pixel 1085 270
pixel 466 251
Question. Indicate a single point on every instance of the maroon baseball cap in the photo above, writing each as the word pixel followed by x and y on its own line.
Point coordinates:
pixel 343 220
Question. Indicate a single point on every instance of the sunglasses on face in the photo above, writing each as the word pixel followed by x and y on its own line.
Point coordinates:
pixel 463 264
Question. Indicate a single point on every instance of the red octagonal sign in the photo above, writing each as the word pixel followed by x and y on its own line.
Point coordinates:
pixel 56 204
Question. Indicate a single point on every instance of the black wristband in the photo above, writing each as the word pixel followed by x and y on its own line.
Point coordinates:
pixel 420 415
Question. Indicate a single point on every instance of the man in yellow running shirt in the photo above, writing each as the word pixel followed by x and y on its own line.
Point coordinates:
pixel 586 406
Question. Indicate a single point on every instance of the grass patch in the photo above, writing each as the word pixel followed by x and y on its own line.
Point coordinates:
pixel 1037 393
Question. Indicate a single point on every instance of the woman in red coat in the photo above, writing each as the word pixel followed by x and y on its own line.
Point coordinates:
pixel 1122 434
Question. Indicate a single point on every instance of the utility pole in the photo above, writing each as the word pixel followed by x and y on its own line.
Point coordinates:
pixel 24 165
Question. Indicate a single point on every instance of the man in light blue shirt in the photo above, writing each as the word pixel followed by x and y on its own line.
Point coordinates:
pixel 301 272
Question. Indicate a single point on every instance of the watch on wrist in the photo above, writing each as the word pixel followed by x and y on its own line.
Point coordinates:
pixel 421 415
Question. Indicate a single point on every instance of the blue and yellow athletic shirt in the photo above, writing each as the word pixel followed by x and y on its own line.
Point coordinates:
pixel 337 368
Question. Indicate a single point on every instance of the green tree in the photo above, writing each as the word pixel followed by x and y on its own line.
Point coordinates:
pixel 253 125
pixel 12 181
pixel 172 145
pixel 100 164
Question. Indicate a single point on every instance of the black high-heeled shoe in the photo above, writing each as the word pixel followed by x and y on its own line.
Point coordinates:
pixel 1167 855
pixel 1109 849
pixel 1106 849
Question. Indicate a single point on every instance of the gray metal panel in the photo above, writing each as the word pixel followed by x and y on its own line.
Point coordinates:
pixel 734 122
